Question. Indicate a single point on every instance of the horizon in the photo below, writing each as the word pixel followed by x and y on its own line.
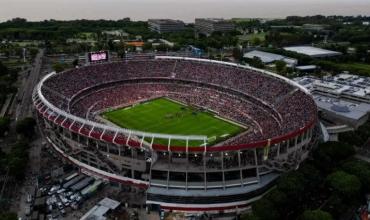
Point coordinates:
pixel 38 10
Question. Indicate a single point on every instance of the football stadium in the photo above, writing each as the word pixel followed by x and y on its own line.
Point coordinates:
pixel 197 135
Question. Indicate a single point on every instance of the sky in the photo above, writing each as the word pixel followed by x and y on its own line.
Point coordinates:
pixel 185 10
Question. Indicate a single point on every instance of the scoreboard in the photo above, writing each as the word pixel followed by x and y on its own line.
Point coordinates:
pixel 98 57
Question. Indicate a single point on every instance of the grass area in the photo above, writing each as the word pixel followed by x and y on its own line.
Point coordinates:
pixel 353 67
pixel 168 117
pixel 250 37
pixel 14 63
pixel 356 67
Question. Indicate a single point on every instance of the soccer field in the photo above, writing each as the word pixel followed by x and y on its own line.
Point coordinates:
pixel 168 117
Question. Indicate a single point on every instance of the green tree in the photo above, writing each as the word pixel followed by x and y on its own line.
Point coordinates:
pixel 256 41
pixel 259 209
pixel 345 184
pixel 8 216
pixel 58 67
pixel 249 216
pixel 75 62
pixel 361 169
pixel 280 66
pixel 17 160
pixel 315 215
pixel 292 184
pixel 330 154
pixel 26 127
pixel 237 54
pixel 4 125
pixel 256 62
pixel 3 69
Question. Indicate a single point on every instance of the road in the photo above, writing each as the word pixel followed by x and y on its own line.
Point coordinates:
pixel 24 108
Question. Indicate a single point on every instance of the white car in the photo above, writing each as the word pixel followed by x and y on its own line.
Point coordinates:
pixel 61 191
pixel 53 189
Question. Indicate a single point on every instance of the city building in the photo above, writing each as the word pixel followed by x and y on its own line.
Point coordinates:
pixel 343 101
pixel 100 210
pixel 207 26
pixel 268 58
pixel 313 51
pixel 165 25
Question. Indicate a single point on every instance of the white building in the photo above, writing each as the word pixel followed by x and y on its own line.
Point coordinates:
pixel 268 58
pixel 343 99
pixel 313 51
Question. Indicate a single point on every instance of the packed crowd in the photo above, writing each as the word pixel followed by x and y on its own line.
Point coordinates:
pixel 89 90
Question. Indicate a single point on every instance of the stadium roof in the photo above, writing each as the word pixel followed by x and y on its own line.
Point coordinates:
pixel 313 51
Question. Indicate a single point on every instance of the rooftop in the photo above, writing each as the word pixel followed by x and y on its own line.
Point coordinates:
pixel 344 96
pixel 269 57
pixel 98 211
pixel 344 108
pixel 312 51
pixel 345 84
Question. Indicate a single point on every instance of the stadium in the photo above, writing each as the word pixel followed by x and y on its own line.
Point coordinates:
pixel 198 135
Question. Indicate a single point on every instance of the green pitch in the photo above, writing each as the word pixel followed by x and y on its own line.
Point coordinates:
pixel 168 117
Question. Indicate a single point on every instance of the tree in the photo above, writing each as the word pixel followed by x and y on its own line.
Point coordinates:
pixel 292 184
pixel 58 67
pixel 361 169
pixel 345 184
pixel 256 41
pixel 237 54
pixel 4 125
pixel 259 209
pixel 17 159
pixel 75 62
pixel 249 216
pixel 26 127
pixel 328 155
pixel 3 69
pixel 315 215
pixel 280 66
pixel 8 216
pixel 256 62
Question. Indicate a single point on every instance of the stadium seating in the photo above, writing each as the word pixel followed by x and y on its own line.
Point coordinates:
pixel 270 106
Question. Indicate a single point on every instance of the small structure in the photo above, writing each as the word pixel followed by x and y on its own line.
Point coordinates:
pixel 306 68
pixel 313 51
pixel 99 211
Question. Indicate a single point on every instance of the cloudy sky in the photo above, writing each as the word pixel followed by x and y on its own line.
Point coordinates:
pixel 180 9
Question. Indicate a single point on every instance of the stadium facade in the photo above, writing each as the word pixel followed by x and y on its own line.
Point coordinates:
pixel 223 177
